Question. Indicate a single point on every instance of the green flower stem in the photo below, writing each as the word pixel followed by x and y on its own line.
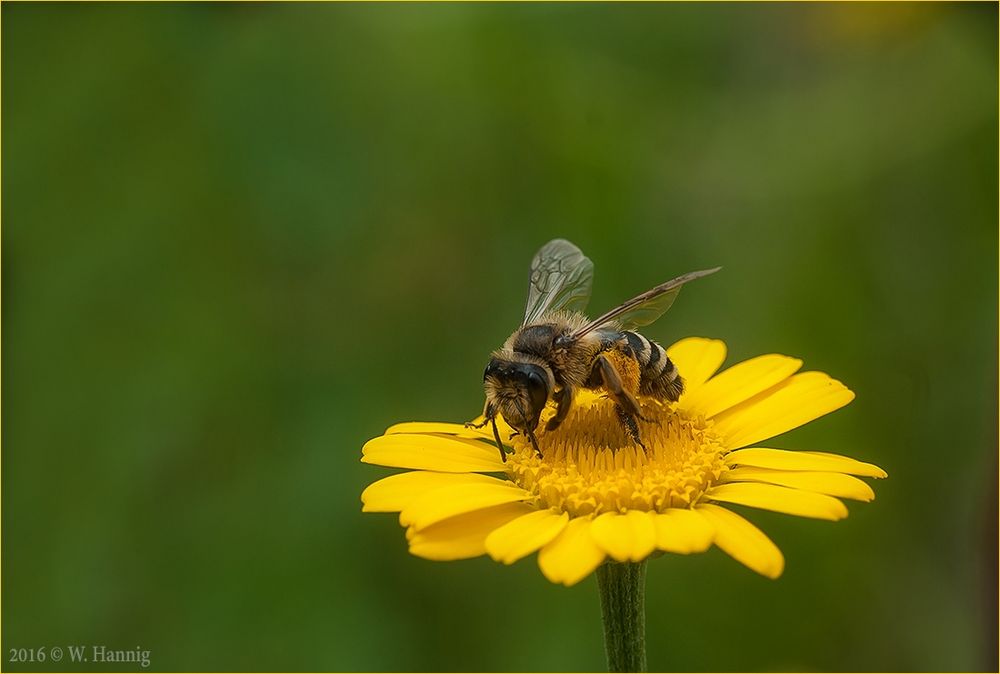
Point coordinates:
pixel 623 591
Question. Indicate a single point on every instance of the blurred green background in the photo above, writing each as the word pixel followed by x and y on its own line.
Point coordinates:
pixel 239 240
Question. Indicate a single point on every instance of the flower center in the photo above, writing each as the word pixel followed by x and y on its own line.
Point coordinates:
pixel 589 464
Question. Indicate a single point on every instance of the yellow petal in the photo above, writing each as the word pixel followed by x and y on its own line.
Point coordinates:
pixel 431 452
pixel 524 535
pixel 682 531
pixel 780 499
pixel 740 382
pixel 458 430
pixel 445 502
pixel 463 536
pixel 628 537
pixel 743 541
pixel 572 555
pixel 783 459
pixel 832 484
pixel 393 493
pixel 697 359
pixel 792 403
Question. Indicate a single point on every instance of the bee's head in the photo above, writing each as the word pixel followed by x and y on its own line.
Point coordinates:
pixel 518 390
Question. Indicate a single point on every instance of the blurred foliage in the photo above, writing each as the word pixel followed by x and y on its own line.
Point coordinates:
pixel 241 239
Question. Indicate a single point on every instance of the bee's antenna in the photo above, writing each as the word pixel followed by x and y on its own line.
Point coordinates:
pixel 496 434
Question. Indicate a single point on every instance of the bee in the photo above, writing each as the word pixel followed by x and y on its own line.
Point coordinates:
pixel 557 351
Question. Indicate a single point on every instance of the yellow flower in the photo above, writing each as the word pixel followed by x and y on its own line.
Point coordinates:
pixel 594 494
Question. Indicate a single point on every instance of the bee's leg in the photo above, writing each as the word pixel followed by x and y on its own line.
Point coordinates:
pixel 563 398
pixel 488 414
pixel 605 374
pixel 631 428
pixel 496 434
pixel 534 443
pixel 627 406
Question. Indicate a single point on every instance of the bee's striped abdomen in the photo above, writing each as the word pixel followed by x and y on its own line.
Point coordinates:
pixel 659 377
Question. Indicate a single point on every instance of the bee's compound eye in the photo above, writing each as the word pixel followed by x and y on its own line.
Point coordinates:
pixel 492 369
pixel 538 389
pixel 535 381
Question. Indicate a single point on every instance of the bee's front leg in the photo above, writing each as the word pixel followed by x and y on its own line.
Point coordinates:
pixel 563 398
pixel 496 435
pixel 488 413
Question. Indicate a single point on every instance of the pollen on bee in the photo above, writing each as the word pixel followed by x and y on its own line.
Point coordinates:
pixel 627 367
pixel 589 464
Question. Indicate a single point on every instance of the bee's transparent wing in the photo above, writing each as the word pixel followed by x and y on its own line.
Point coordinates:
pixel 645 308
pixel 561 277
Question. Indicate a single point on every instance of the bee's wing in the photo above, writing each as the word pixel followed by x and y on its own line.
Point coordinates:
pixel 645 308
pixel 561 276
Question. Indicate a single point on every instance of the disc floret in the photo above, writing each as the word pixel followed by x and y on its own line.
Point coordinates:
pixel 590 466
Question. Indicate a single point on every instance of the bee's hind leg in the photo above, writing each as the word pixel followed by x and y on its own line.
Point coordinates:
pixel 630 426
pixel 605 374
